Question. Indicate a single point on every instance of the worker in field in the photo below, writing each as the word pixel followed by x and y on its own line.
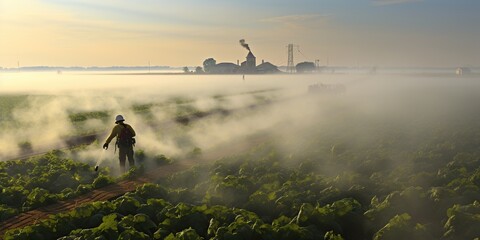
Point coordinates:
pixel 125 141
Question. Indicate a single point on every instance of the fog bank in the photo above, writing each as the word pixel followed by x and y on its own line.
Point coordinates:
pixel 409 105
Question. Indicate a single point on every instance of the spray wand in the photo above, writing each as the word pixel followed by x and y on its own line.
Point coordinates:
pixel 99 160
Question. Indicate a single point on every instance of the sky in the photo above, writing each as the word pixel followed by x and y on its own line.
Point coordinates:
pixel 382 33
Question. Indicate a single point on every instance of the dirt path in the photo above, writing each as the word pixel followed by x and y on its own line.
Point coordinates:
pixel 115 190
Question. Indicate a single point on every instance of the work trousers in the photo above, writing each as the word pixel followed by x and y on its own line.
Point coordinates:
pixel 123 153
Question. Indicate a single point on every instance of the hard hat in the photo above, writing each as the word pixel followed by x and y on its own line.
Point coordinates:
pixel 119 118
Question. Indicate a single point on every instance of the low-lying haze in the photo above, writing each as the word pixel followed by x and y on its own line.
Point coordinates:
pixel 414 107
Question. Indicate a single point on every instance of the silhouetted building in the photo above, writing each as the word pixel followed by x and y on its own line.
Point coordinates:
pixel 224 68
pixel 251 60
pixel 267 67
pixel 249 65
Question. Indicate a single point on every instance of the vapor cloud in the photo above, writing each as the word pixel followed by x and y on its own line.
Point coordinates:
pixel 411 107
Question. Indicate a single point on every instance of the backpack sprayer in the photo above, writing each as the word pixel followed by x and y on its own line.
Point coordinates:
pixel 125 138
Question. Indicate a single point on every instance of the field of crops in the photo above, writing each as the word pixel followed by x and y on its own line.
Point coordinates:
pixel 262 195
pixel 385 160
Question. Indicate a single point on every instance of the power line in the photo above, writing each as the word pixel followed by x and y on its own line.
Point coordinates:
pixel 298 49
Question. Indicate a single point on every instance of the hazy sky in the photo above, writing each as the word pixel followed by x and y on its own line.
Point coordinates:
pixel 444 33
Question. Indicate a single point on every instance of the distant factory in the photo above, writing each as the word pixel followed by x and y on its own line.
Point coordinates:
pixel 249 66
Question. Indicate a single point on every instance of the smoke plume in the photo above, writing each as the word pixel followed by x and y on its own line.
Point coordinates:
pixel 242 42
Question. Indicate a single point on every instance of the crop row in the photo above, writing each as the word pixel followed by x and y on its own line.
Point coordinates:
pixel 42 180
pixel 263 195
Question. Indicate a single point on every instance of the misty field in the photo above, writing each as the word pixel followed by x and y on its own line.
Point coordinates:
pixel 391 157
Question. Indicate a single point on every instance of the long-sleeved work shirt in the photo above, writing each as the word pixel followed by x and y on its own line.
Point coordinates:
pixel 117 130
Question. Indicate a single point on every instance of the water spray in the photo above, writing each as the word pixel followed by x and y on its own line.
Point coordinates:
pixel 99 160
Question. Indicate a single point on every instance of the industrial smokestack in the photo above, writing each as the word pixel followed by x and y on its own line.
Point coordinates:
pixel 242 42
